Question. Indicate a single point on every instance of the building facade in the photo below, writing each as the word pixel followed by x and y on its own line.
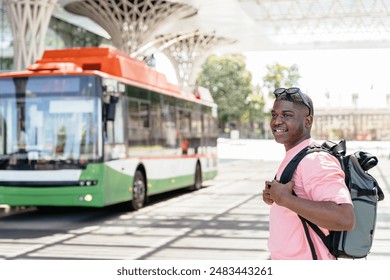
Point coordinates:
pixel 352 124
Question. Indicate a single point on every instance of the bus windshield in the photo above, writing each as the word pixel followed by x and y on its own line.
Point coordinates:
pixel 49 122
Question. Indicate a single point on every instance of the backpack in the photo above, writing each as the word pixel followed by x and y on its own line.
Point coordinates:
pixel 365 193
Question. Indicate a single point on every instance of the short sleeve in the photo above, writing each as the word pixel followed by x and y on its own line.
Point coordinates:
pixel 322 178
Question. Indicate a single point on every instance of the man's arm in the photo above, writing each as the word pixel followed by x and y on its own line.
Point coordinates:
pixel 325 214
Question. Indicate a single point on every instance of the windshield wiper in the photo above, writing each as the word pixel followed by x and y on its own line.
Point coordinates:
pixel 67 163
pixel 20 155
pixel 26 160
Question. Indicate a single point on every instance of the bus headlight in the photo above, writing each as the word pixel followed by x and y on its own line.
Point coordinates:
pixel 86 198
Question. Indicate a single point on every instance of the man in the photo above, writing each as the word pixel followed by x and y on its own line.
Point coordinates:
pixel 318 182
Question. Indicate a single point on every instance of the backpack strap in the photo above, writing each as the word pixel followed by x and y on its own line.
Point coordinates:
pixel 311 244
pixel 289 170
pixel 287 175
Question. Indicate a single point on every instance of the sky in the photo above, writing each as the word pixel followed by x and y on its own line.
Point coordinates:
pixel 340 73
pixel 337 74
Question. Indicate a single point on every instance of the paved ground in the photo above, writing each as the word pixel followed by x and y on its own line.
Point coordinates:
pixel 225 220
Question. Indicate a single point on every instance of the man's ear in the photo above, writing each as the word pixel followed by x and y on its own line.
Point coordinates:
pixel 308 121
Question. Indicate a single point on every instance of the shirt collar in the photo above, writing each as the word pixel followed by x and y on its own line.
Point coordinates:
pixel 295 150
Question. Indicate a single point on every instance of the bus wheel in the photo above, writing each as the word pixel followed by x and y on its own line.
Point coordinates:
pixel 139 191
pixel 198 178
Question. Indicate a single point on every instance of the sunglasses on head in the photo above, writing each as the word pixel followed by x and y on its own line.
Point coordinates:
pixel 291 91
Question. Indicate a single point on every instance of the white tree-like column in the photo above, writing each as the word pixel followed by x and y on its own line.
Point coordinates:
pixel 29 21
pixel 188 51
pixel 130 23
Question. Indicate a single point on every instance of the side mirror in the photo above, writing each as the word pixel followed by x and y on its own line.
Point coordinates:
pixel 110 108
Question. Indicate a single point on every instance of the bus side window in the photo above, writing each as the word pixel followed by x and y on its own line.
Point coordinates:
pixel 144 115
pixel 169 126
pixel 2 134
pixel 138 122
pixel 185 121
pixel 184 134
pixel 133 114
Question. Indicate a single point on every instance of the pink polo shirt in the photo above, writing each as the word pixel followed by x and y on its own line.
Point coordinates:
pixel 318 177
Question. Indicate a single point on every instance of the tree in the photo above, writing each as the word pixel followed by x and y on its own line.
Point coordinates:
pixel 281 76
pixel 253 116
pixel 229 83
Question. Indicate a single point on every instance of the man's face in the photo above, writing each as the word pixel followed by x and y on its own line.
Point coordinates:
pixel 290 124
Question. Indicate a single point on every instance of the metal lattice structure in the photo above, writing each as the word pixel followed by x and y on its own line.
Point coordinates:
pixel 73 36
pixel 29 20
pixel 254 24
pixel 305 21
pixel 130 23
pixel 187 51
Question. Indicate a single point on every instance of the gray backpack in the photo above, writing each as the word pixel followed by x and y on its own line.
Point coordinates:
pixel 365 193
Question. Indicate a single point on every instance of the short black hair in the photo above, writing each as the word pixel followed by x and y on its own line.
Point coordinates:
pixel 295 98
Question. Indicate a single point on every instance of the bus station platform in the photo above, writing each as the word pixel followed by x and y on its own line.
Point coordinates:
pixel 225 220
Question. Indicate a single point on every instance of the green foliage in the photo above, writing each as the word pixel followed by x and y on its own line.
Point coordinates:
pixel 239 103
pixel 229 83
pixel 281 76
pixel 254 109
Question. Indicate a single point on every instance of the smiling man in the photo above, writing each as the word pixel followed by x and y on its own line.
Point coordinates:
pixel 321 195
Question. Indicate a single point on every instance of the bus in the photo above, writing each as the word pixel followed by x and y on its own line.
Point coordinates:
pixel 95 127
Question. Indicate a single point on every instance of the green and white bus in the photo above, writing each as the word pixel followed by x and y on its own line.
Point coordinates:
pixel 94 127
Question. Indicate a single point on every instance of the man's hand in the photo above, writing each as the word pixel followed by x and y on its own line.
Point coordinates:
pixel 266 194
pixel 277 192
